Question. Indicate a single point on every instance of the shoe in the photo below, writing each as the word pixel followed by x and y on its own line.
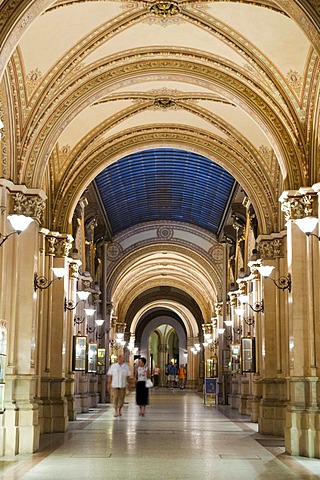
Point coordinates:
pixel 116 415
pixel 142 415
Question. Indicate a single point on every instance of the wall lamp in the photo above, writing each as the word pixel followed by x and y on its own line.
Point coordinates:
pixel 71 305
pixel 19 223
pixel 42 283
pixel 88 312
pixel 98 323
pixel 307 225
pixel 283 283
pixel 256 307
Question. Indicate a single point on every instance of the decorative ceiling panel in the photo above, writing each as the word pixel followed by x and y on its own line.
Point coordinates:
pixel 165 184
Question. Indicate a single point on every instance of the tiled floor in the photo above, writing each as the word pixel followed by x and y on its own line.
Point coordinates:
pixel 179 438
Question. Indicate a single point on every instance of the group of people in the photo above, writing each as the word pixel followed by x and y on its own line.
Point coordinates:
pixel 119 382
pixel 176 376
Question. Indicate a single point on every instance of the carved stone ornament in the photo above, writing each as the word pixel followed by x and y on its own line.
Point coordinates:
pixel 74 270
pixel 114 251
pixel 165 9
pixel 270 249
pixel 59 245
pixel 165 233
pixel 164 103
pixel 233 299
pixel 30 206
pixel 297 206
pixel 218 308
pixel 254 271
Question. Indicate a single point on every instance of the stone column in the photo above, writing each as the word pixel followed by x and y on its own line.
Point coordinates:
pixel 234 399
pixel 162 352
pixel 20 429
pixel 256 299
pixel 302 429
pixel 274 334
pixel 74 266
pixel 55 330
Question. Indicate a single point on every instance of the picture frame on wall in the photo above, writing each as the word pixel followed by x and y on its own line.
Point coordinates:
pixel 79 353
pixel 92 358
pixel 248 355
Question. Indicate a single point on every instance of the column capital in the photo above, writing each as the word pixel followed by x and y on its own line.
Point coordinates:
pixel 299 203
pixel 271 246
pixel 21 200
pixel 58 244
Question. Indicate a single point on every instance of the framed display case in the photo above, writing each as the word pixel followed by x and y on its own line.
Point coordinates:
pixel 92 357
pixel 248 363
pixel 101 366
pixel 212 367
pixel 235 357
pixel 79 353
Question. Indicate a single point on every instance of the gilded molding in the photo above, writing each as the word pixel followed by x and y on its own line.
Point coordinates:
pixel 164 9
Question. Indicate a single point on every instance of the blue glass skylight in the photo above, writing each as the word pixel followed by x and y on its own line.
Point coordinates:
pixel 165 184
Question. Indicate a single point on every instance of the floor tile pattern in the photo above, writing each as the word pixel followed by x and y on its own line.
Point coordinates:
pixel 179 438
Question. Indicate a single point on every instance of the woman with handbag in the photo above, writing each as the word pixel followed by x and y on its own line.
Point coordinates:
pixel 142 392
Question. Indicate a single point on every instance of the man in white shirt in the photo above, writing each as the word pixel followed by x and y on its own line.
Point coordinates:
pixel 118 380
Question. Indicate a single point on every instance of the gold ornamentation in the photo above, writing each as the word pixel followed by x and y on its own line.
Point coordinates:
pixel 270 249
pixel 165 9
pixel 165 103
pixel 58 244
pixel 30 206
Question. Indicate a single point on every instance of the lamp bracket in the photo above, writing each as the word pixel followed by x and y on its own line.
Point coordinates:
pixel 284 282
pixel 249 321
pixel 257 306
pixel 70 304
pixel 41 282
pixel 3 238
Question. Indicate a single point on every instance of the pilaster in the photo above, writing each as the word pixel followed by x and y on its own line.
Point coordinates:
pixel 274 338
pixel 55 335
pixel 302 431
pixel 20 429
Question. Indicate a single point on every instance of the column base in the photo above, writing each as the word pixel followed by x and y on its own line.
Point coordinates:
pixel 302 431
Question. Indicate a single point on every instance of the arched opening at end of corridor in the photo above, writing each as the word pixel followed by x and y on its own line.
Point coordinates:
pixel 162 339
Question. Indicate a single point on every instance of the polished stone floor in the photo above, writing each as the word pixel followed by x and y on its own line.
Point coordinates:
pixel 179 438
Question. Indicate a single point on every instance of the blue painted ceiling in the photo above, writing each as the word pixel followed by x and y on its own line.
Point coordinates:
pixel 165 184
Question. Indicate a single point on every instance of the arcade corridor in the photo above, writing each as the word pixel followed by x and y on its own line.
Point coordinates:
pixel 179 438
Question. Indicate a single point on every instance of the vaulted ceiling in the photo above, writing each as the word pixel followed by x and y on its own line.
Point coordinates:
pixel 100 82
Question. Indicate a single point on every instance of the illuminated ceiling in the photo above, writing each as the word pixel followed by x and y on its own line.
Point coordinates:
pixel 166 184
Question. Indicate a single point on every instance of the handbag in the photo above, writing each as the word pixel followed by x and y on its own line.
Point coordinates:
pixel 149 384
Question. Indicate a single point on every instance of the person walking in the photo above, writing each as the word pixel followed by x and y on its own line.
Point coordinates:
pixel 182 376
pixel 156 376
pixel 172 375
pixel 118 381
pixel 142 392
